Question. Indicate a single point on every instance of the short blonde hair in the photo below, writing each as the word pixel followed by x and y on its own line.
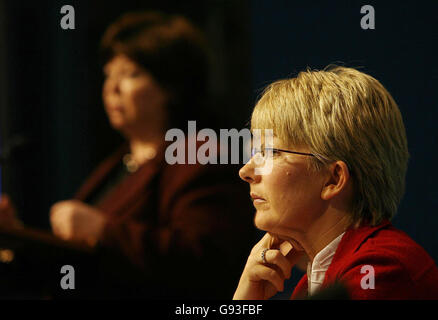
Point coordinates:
pixel 343 114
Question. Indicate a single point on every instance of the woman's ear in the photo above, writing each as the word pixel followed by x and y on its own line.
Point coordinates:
pixel 337 180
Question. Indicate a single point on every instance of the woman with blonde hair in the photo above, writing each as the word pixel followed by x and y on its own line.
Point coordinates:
pixel 339 158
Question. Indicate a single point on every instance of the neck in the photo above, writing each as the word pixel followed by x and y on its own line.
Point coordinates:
pixel 327 228
pixel 141 148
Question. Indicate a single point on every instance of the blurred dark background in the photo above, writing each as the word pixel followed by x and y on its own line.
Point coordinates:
pixel 50 83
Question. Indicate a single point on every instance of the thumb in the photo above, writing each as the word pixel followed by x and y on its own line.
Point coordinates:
pixel 294 255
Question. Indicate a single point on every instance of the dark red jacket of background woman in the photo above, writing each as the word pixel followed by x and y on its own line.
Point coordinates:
pixel 187 228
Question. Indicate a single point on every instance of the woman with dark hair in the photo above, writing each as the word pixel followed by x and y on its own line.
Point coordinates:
pixel 174 224
pixel 172 51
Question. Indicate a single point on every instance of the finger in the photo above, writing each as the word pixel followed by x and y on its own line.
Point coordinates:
pixel 54 222
pixel 61 223
pixel 62 204
pixel 58 213
pixel 54 217
pixel 270 241
pixel 263 243
pixel 275 257
pixel 293 256
pixel 275 242
pixel 261 272
pixel 266 240
pixel 285 247
pixel 57 206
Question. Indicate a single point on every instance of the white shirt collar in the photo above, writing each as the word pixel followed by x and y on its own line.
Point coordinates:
pixel 316 270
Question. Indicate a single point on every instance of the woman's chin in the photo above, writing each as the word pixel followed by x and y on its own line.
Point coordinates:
pixel 262 221
pixel 117 124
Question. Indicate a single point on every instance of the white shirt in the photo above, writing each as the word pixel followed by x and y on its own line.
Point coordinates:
pixel 316 270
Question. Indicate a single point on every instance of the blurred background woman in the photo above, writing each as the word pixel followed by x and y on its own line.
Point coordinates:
pixel 167 228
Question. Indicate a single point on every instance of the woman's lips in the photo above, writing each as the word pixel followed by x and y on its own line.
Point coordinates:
pixel 115 109
pixel 257 199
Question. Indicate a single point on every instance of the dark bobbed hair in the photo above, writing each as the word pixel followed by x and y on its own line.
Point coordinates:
pixel 172 50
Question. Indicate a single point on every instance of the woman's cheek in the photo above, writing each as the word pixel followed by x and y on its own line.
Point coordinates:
pixel 264 221
pixel 127 87
pixel 132 97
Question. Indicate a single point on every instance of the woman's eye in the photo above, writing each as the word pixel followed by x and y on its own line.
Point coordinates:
pixel 255 152
pixel 272 152
pixel 134 74
pixel 130 74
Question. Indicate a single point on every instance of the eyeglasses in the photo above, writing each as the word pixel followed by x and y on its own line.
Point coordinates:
pixel 263 152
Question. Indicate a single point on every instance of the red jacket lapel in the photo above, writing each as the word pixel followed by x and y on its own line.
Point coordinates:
pixel 351 242
pixel 300 291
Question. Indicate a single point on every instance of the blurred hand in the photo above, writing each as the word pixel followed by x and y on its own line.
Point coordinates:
pixel 77 221
pixel 261 281
pixel 8 214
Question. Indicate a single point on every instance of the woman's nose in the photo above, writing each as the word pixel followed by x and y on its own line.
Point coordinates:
pixel 111 86
pixel 247 174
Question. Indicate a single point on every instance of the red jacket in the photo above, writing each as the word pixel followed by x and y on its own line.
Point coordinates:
pixel 402 268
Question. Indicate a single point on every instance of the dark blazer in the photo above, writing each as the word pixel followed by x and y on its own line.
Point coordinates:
pixel 402 269
pixel 185 229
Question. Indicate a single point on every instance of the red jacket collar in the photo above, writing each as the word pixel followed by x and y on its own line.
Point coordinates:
pixel 350 243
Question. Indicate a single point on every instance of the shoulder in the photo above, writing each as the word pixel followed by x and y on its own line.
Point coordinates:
pixel 394 247
pixel 399 267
